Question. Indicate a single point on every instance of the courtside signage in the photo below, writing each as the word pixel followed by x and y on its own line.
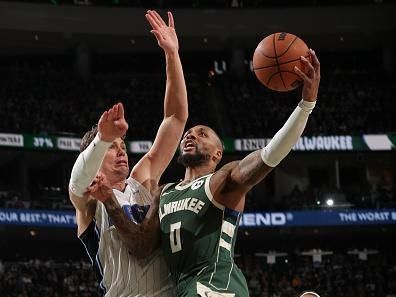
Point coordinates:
pixel 68 143
pixel 366 142
pixel 139 146
pixel 15 140
pixel 314 218
pixel 37 218
pixel 315 143
pixel 319 218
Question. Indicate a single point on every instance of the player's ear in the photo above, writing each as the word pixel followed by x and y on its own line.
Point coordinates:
pixel 218 155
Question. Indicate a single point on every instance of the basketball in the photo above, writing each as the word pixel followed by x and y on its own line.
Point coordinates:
pixel 309 294
pixel 274 60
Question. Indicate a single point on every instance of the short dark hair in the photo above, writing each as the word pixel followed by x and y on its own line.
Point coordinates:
pixel 220 141
pixel 88 137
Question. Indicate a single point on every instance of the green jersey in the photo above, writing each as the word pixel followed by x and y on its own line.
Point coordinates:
pixel 198 237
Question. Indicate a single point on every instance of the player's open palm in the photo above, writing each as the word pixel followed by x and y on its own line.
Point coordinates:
pixel 112 123
pixel 165 34
pixel 311 76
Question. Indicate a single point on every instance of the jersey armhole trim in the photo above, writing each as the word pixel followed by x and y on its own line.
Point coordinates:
pixel 166 186
pixel 130 181
pixel 210 195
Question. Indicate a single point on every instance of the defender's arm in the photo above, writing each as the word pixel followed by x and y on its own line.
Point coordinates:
pixel 150 168
pixel 142 238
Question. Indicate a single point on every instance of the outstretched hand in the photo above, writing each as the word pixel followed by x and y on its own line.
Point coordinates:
pixel 310 76
pixel 165 34
pixel 112 123
pixel 100 188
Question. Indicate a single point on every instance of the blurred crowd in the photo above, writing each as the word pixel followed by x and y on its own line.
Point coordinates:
pixel 376 196
pixel 319 197
pixel 202 3
pixel 45 95
pixel 352 101
pixel 48 97
pixel 341 274
pixel 47 278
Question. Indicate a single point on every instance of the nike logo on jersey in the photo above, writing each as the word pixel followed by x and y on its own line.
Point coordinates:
pixel 204 291
pixel 166 193
pixel 191 204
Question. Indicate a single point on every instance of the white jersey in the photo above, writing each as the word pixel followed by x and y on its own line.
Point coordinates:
pixel 119 273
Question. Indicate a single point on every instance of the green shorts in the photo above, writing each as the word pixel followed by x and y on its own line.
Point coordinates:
pixel 222 279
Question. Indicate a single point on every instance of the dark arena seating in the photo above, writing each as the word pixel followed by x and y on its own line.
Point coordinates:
pixel 323 220
pixel 343 273
pixel 72 104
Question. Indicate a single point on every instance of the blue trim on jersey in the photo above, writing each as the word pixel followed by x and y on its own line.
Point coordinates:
pixel 86 249
pixel 97 260
pixel 100 268
pixel 97 232
pixel 136 212
pixel 90 239
pixel 231 212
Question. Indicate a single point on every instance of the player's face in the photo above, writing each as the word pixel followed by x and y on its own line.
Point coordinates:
pixel 116 160
pixel 199 143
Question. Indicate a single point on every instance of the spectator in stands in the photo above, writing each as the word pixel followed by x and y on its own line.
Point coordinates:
pixel 55 86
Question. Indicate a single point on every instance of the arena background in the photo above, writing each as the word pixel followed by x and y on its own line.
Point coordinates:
pixel 323 220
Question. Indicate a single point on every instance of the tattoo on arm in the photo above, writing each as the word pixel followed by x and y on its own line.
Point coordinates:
pixel 141 239
pixel 250 170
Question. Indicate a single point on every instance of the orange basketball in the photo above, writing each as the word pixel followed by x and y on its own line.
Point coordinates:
pixel 274 60
pixel 309 294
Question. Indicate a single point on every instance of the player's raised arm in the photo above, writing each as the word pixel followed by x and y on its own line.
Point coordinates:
pixel 150 168
pixel 253 168
pixel 111 125
pixel 141 239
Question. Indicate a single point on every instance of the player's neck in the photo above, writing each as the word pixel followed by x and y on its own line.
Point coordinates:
pixel 120 186
pixel 192 173
pixel 117 183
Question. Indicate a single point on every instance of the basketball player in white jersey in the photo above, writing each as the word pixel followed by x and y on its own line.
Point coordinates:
pixel 138 270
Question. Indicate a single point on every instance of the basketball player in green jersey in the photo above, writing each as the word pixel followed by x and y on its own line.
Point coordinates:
pixel 199 216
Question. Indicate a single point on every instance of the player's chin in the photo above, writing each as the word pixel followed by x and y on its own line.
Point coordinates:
pixel 188 153
pixel 122 170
